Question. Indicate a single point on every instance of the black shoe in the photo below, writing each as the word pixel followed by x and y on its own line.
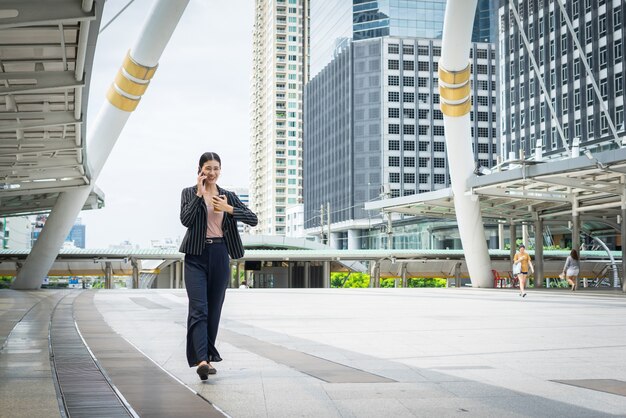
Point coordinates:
pixel 204 371
pixel 523 295
pixel 212 370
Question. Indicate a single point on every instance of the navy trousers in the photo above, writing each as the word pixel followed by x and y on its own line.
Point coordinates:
pixel 206 279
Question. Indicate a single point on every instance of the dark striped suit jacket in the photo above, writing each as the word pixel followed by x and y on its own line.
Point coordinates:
pixel 193 214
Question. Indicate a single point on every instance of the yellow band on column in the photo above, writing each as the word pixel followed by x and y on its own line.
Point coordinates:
pixel 459 109
pixel 137 70
pixel 454 77
pixel 129 86
pixel 121 102
pixel 454 94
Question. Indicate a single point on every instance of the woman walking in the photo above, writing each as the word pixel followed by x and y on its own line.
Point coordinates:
pixel 523 258
pixel 571 270
pixel 210 214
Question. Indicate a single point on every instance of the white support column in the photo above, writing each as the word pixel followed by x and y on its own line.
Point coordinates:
pixel 525 236
pixel 539 270
pixel 307 274
pixel 123 97
pixel 454 89
pixel 457 274
pixel 326 278
pixel 47 246
pixel 354 241
pixel 500 236
pixel 171 267
pixel 178 273
pixel 108 275
pixel 512 239
pixel 135 265
pixel 575 225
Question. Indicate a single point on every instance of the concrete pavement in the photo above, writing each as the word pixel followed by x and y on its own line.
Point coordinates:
pixel 348 352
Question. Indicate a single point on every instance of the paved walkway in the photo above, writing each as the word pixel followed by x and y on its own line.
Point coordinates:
pixel 358 352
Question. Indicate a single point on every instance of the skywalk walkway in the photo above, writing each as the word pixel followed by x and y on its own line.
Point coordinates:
pixel 318 353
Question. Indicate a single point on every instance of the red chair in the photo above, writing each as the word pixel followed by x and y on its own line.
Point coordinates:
pixel 497 280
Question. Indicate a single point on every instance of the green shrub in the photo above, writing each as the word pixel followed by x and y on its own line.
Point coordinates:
pixel 5 282
pixel 349 280
pixel 391 282
pixel 426 282
pixel 361 280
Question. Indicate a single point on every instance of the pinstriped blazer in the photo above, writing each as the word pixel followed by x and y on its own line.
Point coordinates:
pixel 193 215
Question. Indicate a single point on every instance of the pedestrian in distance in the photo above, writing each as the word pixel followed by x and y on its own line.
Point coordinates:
pixel 571 269
pixel 210 214
pixel 525 265
pixel 243 285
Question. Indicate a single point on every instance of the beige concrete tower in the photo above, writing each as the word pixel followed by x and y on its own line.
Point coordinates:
pixel 280 70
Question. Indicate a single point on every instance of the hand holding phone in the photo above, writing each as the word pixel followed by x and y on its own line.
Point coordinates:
pixel 218 201
pixel 201 182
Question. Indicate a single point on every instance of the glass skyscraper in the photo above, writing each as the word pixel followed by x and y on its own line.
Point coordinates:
pixel 373 19
pixel 331 30
pixel 485 22
pixel 335 22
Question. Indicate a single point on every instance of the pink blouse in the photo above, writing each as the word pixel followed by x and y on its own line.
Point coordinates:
pixel 214 222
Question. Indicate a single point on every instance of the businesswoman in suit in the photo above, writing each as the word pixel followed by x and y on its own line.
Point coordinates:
pixel 210 214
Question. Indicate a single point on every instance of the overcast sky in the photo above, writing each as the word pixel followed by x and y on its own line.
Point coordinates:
pixel 198 100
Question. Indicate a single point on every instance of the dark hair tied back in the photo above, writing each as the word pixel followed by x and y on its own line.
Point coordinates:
pixel 208 156
pixel 574 254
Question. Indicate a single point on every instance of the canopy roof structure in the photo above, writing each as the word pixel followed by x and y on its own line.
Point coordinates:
pixel 530 190
pixel 46 54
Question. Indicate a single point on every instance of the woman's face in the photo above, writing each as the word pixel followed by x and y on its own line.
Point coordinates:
pixel 211 169
pixel 521 250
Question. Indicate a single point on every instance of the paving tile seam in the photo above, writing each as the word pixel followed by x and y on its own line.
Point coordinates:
pixel 525 350
pixel 68 325
pixel 615 387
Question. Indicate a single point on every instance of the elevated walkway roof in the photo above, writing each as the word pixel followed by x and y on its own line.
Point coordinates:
pixel 46 54
pixel 532 189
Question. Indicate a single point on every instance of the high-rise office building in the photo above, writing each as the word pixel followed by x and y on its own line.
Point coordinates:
pixel 373 126
pixel 280 70
pixel 532 115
